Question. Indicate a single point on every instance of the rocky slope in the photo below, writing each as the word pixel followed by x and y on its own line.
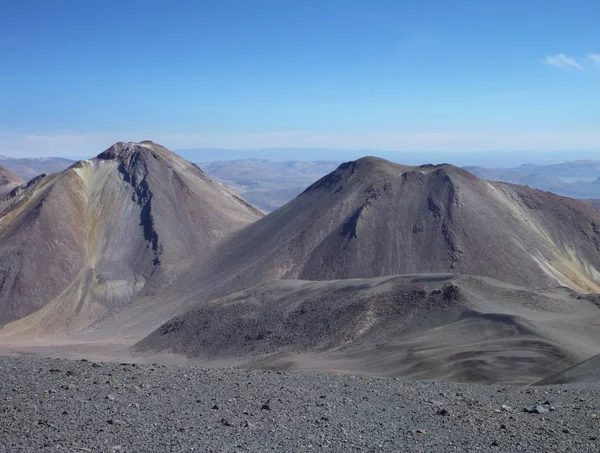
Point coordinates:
pixel 79 244
pixel 57 405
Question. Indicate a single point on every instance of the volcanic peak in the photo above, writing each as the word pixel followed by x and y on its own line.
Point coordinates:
pixel 125 150
pixel 371 170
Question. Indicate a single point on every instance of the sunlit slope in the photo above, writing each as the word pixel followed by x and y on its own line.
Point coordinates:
pixel 371 218
pixel 89 240
pixel 8 181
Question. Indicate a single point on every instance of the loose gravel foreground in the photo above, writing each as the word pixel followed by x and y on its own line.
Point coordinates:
pixel 58 405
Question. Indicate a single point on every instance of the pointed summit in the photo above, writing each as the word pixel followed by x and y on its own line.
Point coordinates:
pixel 78 244
pixel 124 151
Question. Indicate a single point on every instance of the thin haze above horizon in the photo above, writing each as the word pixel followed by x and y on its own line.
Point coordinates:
pixel 382 75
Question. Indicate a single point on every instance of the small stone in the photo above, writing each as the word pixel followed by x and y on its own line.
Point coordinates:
pixel 266 405
pixel 421 431
pixel 495 444
pixel 443 412
pixel 215 407
pixel 225 422
pixel 506 408
pixel 110 397
pixel 539 409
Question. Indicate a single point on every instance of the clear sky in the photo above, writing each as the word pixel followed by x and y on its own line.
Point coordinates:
pixel 392 75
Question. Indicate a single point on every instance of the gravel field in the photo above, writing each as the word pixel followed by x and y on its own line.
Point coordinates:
pixel 79 406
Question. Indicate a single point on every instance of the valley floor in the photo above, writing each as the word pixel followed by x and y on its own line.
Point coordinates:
pixel 60 405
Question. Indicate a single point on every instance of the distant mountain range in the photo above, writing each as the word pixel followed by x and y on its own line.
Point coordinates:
pixel 578 179
pixel 488 159
pixel 29 167
pixel 270 184
pixel 265 183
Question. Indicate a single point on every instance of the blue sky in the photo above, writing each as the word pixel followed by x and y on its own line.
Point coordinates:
pixel 379 75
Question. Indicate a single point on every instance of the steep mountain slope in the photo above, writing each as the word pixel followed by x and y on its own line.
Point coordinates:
pixel 421 326
pixel 77 244
pixel 8 181
pixel 371 218
pixel 30 167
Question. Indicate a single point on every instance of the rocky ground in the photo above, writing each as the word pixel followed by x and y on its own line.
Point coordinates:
pixel 57 405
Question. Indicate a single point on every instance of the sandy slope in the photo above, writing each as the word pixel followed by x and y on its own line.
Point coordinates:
pixel 587 371
pixel 420 326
